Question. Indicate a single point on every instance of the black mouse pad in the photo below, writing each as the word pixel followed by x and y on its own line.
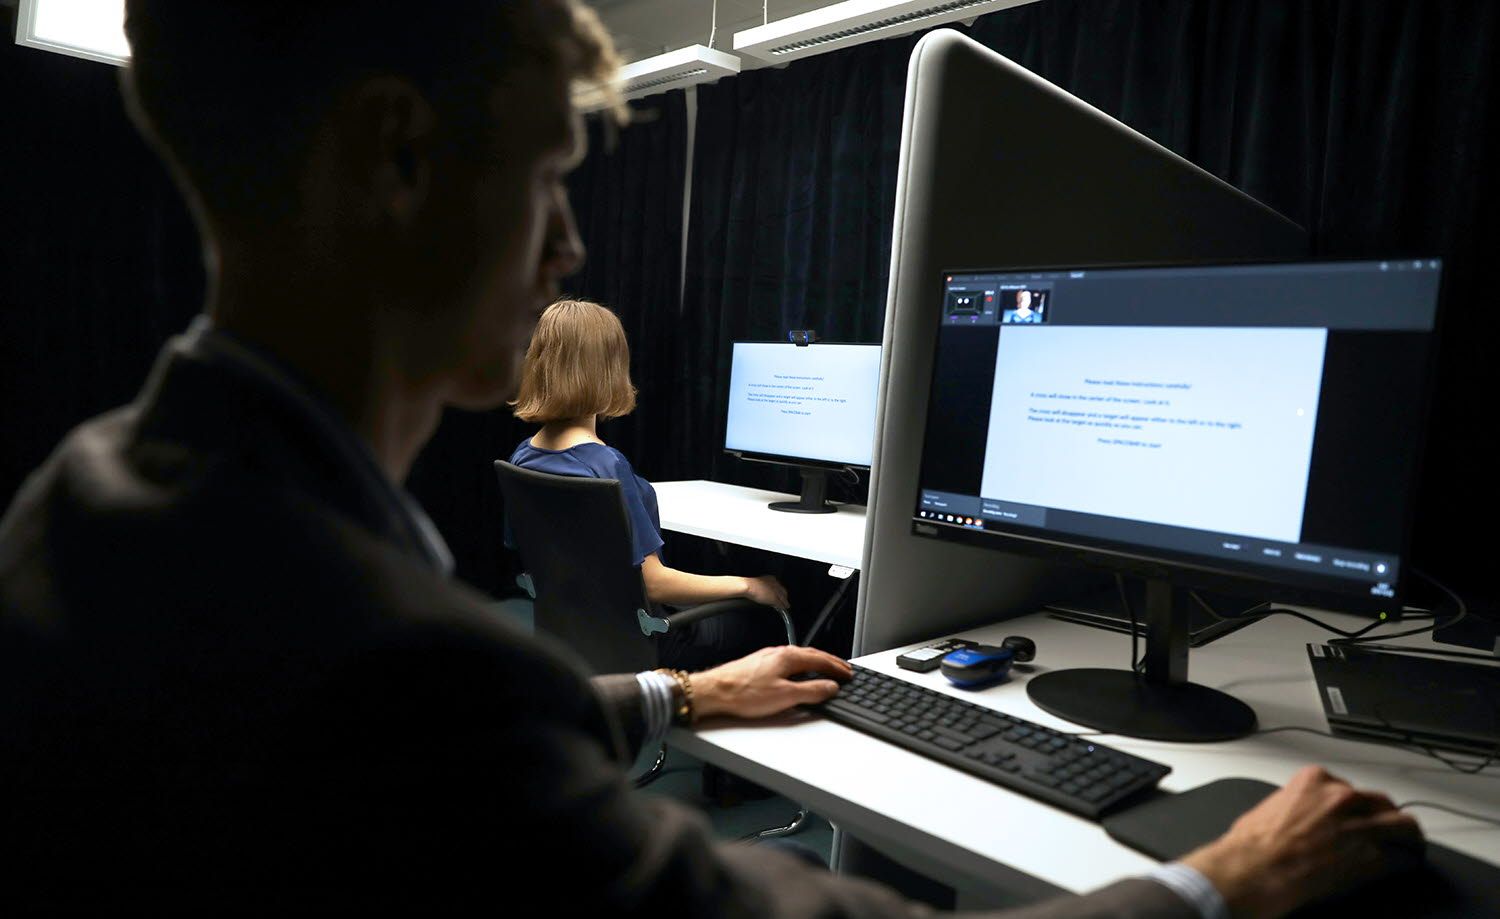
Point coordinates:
pixel 1169 826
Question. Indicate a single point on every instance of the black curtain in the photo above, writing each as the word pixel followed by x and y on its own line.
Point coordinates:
pixel 628 200
pixel 99 260
pixel 793 188
pixel 1367 122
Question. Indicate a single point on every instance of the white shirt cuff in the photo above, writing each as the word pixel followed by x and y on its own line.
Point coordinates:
pixel 1193 887
pixel 656 706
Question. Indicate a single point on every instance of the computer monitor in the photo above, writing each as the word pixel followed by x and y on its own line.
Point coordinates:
pixel 998 165
pixel 1248 428
pixel 811 406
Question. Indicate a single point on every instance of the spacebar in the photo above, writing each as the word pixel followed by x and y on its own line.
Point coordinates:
pixel 869 715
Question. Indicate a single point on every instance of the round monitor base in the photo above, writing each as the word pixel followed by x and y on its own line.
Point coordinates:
pixel 797 507
pixel 1121 702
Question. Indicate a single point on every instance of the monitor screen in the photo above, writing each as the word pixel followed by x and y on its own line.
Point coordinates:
pixel 812 403
pixel 1259 423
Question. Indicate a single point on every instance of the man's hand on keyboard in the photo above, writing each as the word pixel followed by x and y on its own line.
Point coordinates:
pixel 760 684
pixel 1312 838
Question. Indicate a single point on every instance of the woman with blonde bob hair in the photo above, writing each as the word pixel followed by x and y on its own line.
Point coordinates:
pixel 577 371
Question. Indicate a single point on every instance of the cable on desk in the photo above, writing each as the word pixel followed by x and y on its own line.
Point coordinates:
pixel 1408 747
pixel 1279 611
pixel 1458 602
pixel 1469 815
pixel 1458 766
pixel 1135 636
pixel 847 480
pixel 1355 635
pixel 1359 635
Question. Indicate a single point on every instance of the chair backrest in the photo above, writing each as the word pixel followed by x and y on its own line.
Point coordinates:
pixel 574 538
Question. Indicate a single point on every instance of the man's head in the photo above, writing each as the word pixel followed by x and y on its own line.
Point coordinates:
pixel 399 164
pixel 578 365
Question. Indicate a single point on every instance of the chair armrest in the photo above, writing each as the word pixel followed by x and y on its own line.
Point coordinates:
pixel 708 611
pixel 720 607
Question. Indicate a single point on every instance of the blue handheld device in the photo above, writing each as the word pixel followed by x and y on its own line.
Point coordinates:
pixel 978 666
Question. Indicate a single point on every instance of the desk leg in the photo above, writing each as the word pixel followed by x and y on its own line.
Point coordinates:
pixel 828 609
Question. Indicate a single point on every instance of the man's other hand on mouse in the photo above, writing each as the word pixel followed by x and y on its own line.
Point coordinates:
pixel 1314 837
pixel 761 684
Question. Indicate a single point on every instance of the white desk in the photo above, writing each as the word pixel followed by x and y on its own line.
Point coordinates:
pixel 971 834
pixel 739 515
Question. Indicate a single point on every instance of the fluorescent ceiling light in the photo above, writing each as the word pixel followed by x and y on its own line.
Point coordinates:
pixel 854 22
pixel 92 29
pixel 675 70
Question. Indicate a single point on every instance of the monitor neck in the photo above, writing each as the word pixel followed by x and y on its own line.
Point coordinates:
pixel 814 498
pixel 1166 621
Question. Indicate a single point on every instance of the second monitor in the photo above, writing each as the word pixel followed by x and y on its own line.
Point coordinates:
pixel 807 406
pixel 1250 428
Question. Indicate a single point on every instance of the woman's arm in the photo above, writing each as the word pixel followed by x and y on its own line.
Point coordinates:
pixel 679 588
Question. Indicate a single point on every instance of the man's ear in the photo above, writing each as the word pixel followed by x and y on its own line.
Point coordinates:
pixel 391 148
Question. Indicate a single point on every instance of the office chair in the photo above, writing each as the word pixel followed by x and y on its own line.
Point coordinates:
pixel 573 534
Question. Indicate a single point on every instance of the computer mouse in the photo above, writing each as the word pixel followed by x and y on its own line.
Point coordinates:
pixel 1404 856
pixel 977 666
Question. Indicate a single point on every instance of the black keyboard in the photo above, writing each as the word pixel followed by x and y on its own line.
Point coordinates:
pixel 1074 774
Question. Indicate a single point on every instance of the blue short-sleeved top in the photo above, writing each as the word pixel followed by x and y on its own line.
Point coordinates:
pixel 603 462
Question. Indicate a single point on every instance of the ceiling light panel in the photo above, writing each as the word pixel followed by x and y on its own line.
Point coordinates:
pixel 676 70
pixel 92 29
pixel 854 22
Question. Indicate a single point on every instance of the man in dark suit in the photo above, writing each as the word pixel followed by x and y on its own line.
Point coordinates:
pixel 235 671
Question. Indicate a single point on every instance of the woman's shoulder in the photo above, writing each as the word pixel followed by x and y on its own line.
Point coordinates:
pixel 606 461
pixel 616 458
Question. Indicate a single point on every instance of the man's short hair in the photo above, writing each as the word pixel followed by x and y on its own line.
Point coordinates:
pixel 232 91
pixel 578 364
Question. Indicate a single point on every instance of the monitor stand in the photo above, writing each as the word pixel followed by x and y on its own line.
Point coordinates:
pixel 814 498
pixel 1159 704
pixel 1103 610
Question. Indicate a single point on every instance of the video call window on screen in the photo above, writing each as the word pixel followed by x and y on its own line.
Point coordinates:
pixel 1024 306
pixel 987 303
pixel 1236 416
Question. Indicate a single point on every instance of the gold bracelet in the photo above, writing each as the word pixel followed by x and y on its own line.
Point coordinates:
pixel 684 713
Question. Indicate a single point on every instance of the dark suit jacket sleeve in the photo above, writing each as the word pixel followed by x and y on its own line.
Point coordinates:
pixel 620 695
